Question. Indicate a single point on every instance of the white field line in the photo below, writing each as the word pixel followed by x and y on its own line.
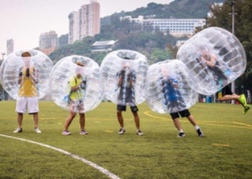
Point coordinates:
pixel 101 169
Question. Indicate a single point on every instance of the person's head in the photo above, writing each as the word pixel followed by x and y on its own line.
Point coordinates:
pixel 79 69
pixel 26 54
pixel 204 52
pixel 126 65
pixel 26 58
pixel 164 71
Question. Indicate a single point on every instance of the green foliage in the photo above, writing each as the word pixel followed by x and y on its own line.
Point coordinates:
pixel 224 152
pixel 159 55
pixel 130 35
pixel 176 9
pixel 63 40
pixel 78 48
pixel 243 30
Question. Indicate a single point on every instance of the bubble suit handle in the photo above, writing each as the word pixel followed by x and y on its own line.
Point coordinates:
pixel 64 70
pixel 12 68
pixel 168 88
pixel 215 58
pixel 123 75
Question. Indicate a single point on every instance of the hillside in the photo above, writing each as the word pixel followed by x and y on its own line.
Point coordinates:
pixel 130 36
pixel 176 9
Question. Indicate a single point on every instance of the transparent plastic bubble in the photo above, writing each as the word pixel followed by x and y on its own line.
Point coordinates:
pixel 67 68
pixel 168 88
pixel 13 66
pixel 215 58
pixel 123 77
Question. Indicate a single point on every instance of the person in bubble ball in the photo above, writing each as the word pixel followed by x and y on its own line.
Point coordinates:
pixel 28 95
pixel 172 99
pixel 226 93
pixel 126 80
pixel 215 66
pixel 76 104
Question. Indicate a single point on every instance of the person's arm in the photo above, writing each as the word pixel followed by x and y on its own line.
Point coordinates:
pixel 83 84
pixel 132 78
pixel 175 85
pixel 20 77
pixel 211 61
pixel 34 76
pixel 74 86
pixel 120 78
pixel 161 82
pixel 174 82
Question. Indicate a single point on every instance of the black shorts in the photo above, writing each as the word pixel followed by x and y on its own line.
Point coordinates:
pixel 226 91
pixel 184 113
pixel 134 109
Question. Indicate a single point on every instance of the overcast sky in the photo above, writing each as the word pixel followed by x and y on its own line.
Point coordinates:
pixel 24 20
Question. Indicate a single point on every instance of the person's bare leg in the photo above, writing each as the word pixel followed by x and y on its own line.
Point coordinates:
pixel 229 97
pixel 69 120
pixel 35 119
pixel 82 121
pixel 120 119
pixel 19 119
pixel 177 124
pixel 192 120
pixel 197 128
pixel 137 120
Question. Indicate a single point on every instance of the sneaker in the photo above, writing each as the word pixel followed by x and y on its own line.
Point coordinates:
pixel 139 132
pixel 66 132
pixel 199 132
pixel 83 132
pixel 246 108
pixel 242 100
pixel 37 130
pixel 121 131
pixel 18 130
pixel 181 134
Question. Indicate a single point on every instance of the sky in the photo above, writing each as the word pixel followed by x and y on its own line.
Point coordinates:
pixel 24 20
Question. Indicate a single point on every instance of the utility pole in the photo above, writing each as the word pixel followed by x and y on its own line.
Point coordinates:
pixel 232 4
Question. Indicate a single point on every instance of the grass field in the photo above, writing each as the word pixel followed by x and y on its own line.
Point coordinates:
pixel 224 152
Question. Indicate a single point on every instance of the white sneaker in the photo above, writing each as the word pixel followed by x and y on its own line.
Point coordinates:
pixel 83 132
pixel 139 132
pixel 181 134
pixel 66 133
pixel 121 131
pixel 18 130
pixel 37 130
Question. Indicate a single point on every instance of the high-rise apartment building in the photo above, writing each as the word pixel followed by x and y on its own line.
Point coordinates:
pixel 85 22
pixel 74 27
pixel 9 46
pixel 48 42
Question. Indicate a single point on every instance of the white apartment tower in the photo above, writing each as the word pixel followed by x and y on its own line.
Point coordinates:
pixel 48 42
pixel 74 27
pixel 9 46
pixel 85 22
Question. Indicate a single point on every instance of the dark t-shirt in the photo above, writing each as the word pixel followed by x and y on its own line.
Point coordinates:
pixel 127 90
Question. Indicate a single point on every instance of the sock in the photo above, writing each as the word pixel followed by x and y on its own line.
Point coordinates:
pixel 197 127
pixel 181 131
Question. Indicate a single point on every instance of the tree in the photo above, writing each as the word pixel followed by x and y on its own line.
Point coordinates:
pixel 221 17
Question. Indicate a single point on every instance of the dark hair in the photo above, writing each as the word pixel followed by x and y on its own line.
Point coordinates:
pixel 80 64
pixel 26 54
